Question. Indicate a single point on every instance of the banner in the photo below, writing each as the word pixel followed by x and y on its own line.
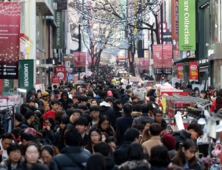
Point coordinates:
pixel 9 39
pixel 26 74
pixel 61 72
pixel 157 56
pixel 175 19
pixel 180 68
pixel 193 71
pixel 167 55
pixel 79 59
pixel 7 85
pixel 58 41
pixel 143 64
pixel 187 25
pixel 55 80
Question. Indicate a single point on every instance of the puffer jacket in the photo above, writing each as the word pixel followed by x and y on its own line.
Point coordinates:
pixel 5 165
pixel 70 158
pixel 135 165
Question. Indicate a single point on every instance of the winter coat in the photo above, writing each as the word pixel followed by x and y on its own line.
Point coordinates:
pixel 158 164
pixel 110 164
pixel 70 158
pixel 106 109
pixel 67 102
pixel 125 98
pixel 5 165
pixel 181 136
pixel 153 141
pixel 120 155
pixel 135 165
pixel 141 118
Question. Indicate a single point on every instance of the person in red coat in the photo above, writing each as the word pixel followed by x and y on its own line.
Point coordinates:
pixel 54 104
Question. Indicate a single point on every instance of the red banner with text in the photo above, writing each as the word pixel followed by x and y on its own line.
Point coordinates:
pixel 55 80
pixel 180 68
pixel 193 71
pixel 167 55
pixel 79 59
pixel 9 39
pixel 61 72
pixel 157 56
pixel 143 64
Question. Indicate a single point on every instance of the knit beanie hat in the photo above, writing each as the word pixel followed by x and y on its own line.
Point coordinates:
pixel 169 141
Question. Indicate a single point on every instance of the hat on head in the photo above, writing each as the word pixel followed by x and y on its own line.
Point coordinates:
pixel 169 141
pixel 109 94
pixel 44 94
pixel 18 117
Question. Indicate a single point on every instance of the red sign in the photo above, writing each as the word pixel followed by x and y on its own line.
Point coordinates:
pixel 143 64
pixel 55 80
pixel 180 69
pixel 167 55
pixel 193 71
pixel 175 19
pixel 9 39
pixel 61 72
pixel 79 59
pixel 157 56
pixel 75 78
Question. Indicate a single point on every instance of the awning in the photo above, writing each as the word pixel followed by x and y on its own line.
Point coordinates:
pixel 185 60
pixel 44 7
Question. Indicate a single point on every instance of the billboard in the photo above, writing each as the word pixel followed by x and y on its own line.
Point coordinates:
pixel 167 55
pixel 193 71
pixel 143 64
pixel 180 69
pixel 187 25
pixel 9 39
pixel 79 59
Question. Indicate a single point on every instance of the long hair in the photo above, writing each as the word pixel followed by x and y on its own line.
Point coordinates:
pixel 90 143
pixel 180 158
pixel 109 130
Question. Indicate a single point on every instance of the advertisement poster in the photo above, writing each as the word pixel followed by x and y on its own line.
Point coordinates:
pixel 175 19
pixel 143 64
pixel 55 80
pixel 58 40
pixel 193 71
pixel 187 25
pixel 9 39
pixel 180 68
pixel 61 72
pixel 157 56
pixel 26 74
pixel 167 55
pixel 79 59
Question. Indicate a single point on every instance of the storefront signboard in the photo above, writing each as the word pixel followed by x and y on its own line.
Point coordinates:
pixel 157 56
pixel 79 59
pixel 143 64
pixel 9 39
pixel 58 41
pixel 61 72
pixel 175 19
pixel 167 55
pixel 26 74
pixel 187 25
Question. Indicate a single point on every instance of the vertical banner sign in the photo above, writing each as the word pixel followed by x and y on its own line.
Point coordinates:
pixel 143 64
pixel 193 71
pixel 55 80
pixel 157 56
pixel 9 39
pixel 175 20
pixel 58 33
pixel 167 55
pixel 79 59
pixel 180 68
pixel 187 25
pixel 26 74
pixel 61 72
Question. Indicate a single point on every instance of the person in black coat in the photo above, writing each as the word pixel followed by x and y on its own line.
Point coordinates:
pixel 120 155
pixel 81 125
pixel 65 100
pixel 159 158
pixel 73 156
pixel 106 151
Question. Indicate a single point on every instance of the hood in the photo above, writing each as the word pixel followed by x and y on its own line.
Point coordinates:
pixel 159 162
pixel 183 133
pixel 109 163
pixel 134 164
pixel 105 104
pixel 64 93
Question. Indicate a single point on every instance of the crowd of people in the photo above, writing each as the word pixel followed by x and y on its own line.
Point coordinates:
pixel 95 126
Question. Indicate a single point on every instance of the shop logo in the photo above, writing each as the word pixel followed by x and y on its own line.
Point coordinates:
pixel 26 75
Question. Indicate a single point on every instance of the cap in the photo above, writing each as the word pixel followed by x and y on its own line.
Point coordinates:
pixel 18 117
pixel 44 94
